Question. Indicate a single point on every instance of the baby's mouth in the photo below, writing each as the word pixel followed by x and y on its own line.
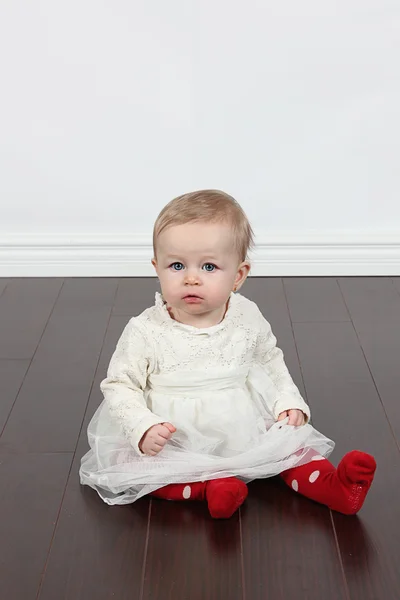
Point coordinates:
pixel 192 297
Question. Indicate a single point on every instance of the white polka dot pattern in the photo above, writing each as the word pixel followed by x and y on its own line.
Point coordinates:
pixel 187 492
pixel 314 476
pixel 318 457
pixel 295 485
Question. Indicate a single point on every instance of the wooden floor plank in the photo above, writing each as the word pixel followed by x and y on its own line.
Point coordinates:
pixel 12 373
pixel 52 401
pixel 371 300
pixel 287 540
pixel 31 489
pixel 314 299
pixel 289 546
pixel 98 550
pixel 396 283
pixel 374 305
pixel 3 284
pixel 135 294
pixel 346 407
pixel 190 555
pixel 25 307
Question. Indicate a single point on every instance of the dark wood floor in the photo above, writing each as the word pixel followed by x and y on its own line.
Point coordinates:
pixel 59 541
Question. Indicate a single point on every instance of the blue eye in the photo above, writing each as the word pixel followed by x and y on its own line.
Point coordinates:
pixel 177 266
pixel 209 267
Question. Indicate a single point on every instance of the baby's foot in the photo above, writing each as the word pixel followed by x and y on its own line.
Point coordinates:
pixel 343 489
pixel 355 472
pixel 224 496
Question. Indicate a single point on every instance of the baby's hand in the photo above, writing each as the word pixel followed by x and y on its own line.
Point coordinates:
pixel 296 417
pixel 155 438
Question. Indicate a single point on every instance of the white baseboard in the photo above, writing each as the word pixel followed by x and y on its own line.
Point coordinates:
pixel 323 253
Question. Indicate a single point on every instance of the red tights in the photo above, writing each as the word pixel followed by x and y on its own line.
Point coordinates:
pixel 343 489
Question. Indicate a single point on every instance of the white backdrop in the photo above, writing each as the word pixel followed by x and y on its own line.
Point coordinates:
pixel 108 109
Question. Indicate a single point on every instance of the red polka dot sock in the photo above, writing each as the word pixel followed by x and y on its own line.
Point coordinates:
pixel 343 489
pixel 182 491
pixel 224 496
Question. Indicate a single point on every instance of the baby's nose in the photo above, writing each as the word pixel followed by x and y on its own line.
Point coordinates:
pixel 191 278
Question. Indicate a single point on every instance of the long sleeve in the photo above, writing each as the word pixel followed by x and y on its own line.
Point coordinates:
pixel 126 380
pixel 271 359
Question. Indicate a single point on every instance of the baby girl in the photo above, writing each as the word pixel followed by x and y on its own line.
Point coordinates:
pixel 198 400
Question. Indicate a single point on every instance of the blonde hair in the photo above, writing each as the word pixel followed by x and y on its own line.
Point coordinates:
pixel 207 206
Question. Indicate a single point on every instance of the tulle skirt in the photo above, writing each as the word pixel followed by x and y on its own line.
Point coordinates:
pixel 224 429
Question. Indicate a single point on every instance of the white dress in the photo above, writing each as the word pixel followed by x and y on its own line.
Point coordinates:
pixel 222 387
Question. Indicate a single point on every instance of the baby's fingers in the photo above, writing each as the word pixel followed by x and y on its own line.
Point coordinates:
pixel 163 436
pixel 166 432
pixel 296 418
pixel 154 449
pixel 283 415
pixel 171 428
pixel 160 442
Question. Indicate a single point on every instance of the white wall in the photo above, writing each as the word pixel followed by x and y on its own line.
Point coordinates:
pixel 108 109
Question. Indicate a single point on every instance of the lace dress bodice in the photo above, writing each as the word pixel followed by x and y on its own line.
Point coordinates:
pixel 153 345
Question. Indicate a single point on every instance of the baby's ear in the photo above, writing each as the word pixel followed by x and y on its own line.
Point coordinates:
pixel 243 271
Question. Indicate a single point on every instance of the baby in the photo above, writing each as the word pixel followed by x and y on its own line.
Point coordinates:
pixel 198 400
